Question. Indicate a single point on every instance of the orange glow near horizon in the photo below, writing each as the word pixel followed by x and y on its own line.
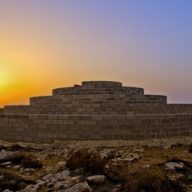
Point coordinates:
pixel 16 84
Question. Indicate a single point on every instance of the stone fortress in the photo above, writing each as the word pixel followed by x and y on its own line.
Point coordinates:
pixel 95 110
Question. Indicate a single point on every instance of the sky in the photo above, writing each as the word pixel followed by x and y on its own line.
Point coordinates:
pixel 45 44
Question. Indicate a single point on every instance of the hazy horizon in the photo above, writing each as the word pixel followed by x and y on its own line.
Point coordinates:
pixel 56 43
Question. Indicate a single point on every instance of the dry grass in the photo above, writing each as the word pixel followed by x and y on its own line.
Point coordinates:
pixel 30 161
pixel 89 161
pixel 151 180
pixel 13 181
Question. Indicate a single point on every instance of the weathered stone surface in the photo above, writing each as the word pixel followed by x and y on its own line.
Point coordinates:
pixel 61 166
pixel 96 179
pixel 174 165
pixel 80 187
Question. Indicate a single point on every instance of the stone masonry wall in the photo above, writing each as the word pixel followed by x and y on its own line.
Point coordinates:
pixel 95 110
pixel 1 111
pixel 93 127
pixel 17 109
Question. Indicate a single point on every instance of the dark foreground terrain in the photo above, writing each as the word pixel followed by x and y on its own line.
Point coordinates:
pixel 98 166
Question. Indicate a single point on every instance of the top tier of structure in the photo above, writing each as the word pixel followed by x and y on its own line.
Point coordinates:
pixel 101 84
pixel 97 87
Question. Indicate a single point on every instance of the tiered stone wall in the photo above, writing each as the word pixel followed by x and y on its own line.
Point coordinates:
pixel 17 109
pixel 1 111
pixel 93 127
pixel 95 110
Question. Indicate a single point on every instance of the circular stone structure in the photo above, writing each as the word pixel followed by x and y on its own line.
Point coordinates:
pixel 98 110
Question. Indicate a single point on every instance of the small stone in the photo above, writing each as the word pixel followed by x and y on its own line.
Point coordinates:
pixel 50 185
pixel 174 165
pixel 17 167
pixel 27 170
pixel 7 190
pixel 41 183
pixel 61 166
pixel 30 188
pixel 6 163
pixel 96 179
pixel 6 155
pixel 80 187
pixel 65 174
pixel 48 177
pixel 38 181
pixel 116 188
pixel 59 185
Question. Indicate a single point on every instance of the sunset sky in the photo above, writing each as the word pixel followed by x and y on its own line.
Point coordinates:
pixel 46 44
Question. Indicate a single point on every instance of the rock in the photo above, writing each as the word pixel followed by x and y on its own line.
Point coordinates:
pixel 6 163
pixel 17 166
pixel 116 188
pixel 48 177
pixel 31 188
pixel 49 169
pixel 108 154
pixel 79 171
pixel 29 170
pixel 66 174
pixel 50 185
pixel 41 183
pixel 146 166
pixel 174 165
pixel 80 187
pixel 68 183
pixel 96 179
pixel 61 166
pixel 74 180
pixel 59 185
pixel 6 156
pixel 166 146
pixel 61 176
pixel 139 150
pixel 7 190
pixel 114 169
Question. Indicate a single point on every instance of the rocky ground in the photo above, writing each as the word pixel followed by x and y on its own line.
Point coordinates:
pixel 97 166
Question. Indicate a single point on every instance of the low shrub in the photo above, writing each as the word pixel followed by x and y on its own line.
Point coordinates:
pixel 30 161
pixel 12 181
pixel 90 161
pixel 151 180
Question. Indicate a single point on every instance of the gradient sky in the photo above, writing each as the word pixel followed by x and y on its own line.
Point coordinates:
pixel 46 44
